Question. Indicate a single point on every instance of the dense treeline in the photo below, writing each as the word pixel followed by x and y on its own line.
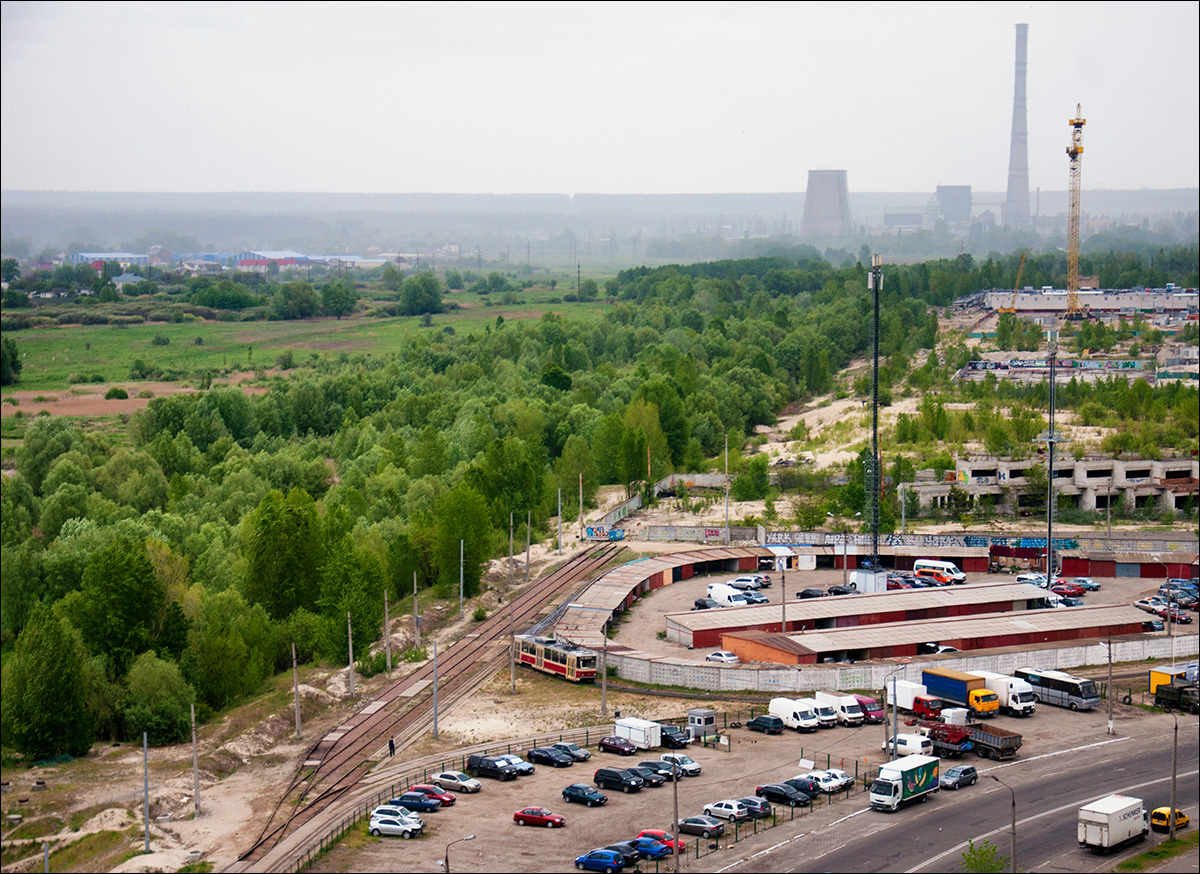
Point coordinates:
pixel 181 564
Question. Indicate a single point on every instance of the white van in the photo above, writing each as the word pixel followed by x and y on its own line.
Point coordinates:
pixel 726 596
pixel 910 745
pixel 948 568
pixel 793 715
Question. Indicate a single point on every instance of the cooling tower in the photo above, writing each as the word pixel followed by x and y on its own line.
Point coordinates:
pixel 826 205
pixel 1016 204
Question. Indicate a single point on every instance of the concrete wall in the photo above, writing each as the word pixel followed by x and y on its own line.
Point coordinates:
pixel 643 668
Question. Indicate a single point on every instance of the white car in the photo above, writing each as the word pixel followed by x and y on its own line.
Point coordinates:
pixel 455 780
pixel 1032 579
pixel 727 809
pixel 390 825
pixel 688 766
pixel 746 582
pixel 828 784
pixel 840 777
pixel 724 657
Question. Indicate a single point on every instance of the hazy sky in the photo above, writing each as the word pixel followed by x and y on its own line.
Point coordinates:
pixel 565 98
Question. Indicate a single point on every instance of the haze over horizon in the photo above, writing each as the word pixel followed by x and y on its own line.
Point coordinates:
pixel 588 98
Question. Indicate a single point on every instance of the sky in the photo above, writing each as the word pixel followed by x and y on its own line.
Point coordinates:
pixel 589 98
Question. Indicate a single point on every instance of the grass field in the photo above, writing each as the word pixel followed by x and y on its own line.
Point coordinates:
pixel 56 357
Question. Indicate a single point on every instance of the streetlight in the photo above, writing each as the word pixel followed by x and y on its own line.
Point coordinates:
pixel 1012 853
pixel 895 712
pixel 446 860
pixel 1174 773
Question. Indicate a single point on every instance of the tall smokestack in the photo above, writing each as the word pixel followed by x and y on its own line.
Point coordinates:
pixel 1016 204
pixel 826 205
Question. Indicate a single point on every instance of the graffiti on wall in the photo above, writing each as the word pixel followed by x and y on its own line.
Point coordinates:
pixel 602 532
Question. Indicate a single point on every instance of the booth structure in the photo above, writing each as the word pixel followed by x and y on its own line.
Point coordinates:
pixel 702 722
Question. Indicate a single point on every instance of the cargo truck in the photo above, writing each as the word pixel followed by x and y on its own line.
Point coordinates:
pixel 1112 822
pixel 1016 696
pixel 844 707
pixel 872 712
pixel 1180 695
pixel 642 733
pixel 903 781
pixel 988 741
pixel 793 714
pixel 912 698
pixel 961 688
pixel 949 741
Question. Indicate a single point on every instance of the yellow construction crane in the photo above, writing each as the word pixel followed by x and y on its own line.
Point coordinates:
pixel 1074 152
pixel 1012 305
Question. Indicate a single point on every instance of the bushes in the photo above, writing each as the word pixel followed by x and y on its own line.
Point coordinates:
pixel 116 393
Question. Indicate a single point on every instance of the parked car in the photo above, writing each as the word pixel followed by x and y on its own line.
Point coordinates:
pixel 456 780
pixel 575 751
pixel 446 798
pixel 749 581
pixel 661 837
pixel 523 767
pixel 663 769
pixel 618 778
pixel 1150 605
pixel 828 784
pixel 1069 590
pixel 1160 819
pixel 650 776
pixel 1174 614
pixel 416 801
pixel 766 724
pixel 395 811
pixel 840 777
pixel 618 745
pixel 688 766
pixel 1032 579
pixel 1071 602
pixel 728 809
pixel 650 848
pixel 673 737
pixel 811 593
pixel 550 756
pixel 582 793
pixel 756 598
pixel 724 657
pixel 1153 625
pixel 808 785
pixel 628 851
pixel 1087 583
pixel 608 861
pixel 758 807
pixel 706 604
pixel 705 826
pixel 842 590
pixel 783 793
pixel 538 816
pixel 392 826
pixel 958 776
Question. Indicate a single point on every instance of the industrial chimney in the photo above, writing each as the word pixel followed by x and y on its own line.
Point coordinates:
pixel 1016 203
pixel 826 205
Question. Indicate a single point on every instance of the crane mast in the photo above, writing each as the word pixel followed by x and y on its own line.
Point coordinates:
pixel 1074 152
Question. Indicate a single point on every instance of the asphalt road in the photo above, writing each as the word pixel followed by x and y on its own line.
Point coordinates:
pixel 1049 790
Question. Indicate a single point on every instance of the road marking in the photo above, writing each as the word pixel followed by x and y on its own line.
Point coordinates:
pixel 760 853
pixel 1028 819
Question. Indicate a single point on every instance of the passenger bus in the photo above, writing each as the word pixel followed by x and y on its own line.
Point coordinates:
pixel 1060 689
pixel 574 663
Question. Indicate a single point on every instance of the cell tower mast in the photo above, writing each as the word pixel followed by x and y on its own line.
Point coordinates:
pixel 1075 153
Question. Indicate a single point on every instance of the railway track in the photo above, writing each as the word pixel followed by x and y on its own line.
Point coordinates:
pixel 403 710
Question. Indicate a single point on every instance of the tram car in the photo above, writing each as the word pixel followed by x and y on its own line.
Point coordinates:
pixel 574 663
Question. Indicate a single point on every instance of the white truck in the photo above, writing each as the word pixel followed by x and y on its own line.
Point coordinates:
pixel 825 715
pixel 1016 696
pixel 727 596
pixel 1112 822
pixel 845 707
pixel 642 733
pixel 908 779
pixel 793 714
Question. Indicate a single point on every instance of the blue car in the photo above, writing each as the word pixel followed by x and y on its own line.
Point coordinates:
pixel 650 848
pixel 607 861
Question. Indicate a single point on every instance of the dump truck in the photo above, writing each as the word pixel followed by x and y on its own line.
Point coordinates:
pixel 988 741
pixel 912 698
pixel 1016 696
pixel 993 742
pixel 1112 822
pixel 949 741
pixel 903 781
pixel 962 688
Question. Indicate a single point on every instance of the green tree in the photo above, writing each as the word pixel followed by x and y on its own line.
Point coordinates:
pixel 295 300
pixel 10 362
pixel 753 483
pixel 588 290
pixel 283 546
pixel 9 269
pixel 44 710
pixel 983 859
pixel 421 294
pixel 462 515
pixel 158 701
pixel 338 298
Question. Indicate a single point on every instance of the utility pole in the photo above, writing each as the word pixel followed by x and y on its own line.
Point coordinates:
pixel 581 506
pixel 416 614
pixel 511 569
pixel 528 536
pixel 1110 687
pixel 296 689
pixel 350 641
pixel 387 632
pixel 146 787
pixel 512 651
pixel 435 685
pixel 604 674
pixel 726 489
pixel 560 520
pixel 195 763
pixel 460 578
pixel 875 480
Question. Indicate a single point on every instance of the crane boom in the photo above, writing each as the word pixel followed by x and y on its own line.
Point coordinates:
pixel 1075 153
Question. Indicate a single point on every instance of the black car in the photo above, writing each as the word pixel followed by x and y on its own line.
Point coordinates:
pixel 807 785
pixel 1152 625
pixel 582 793
pixel 758 807
pixel 842 590
pixel 705 826
pixel 673 738
pixel 783 793
pixel 551 757
pixel 631 854
pixel 662 769
pixel 766 724
pixel 649 776
pixel 618 778
pixel 706 604
pixel 811 593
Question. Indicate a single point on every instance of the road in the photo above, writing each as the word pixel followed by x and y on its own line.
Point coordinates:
pixel 1049 789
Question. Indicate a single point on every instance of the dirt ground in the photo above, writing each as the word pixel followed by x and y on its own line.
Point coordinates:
pixel 87 401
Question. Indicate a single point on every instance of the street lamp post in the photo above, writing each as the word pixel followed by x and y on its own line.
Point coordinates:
pixel 1012 853
pixel 1174 773
pixel 895 711
pixel 446 859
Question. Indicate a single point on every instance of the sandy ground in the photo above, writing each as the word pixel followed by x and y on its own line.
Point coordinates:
pixel 87 401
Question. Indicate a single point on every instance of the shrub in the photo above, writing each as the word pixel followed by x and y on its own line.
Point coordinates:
pixel 480 614
pixel 116 393
pixel 160 340
pixel 370 665
pixel 414 654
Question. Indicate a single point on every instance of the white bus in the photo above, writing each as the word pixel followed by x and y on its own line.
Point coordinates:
pixel 948 568
pixel 1061 689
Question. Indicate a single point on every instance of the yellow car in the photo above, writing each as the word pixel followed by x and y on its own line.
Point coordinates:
pixel 1159 819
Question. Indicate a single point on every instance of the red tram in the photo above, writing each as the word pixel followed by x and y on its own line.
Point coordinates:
pixel 574 663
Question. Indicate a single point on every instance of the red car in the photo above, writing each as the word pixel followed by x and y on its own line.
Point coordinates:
pixel 617 745
pixel 434 792
pixel 662 837
pixel 538 816
pixel 1069 590
pixel 1174 614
